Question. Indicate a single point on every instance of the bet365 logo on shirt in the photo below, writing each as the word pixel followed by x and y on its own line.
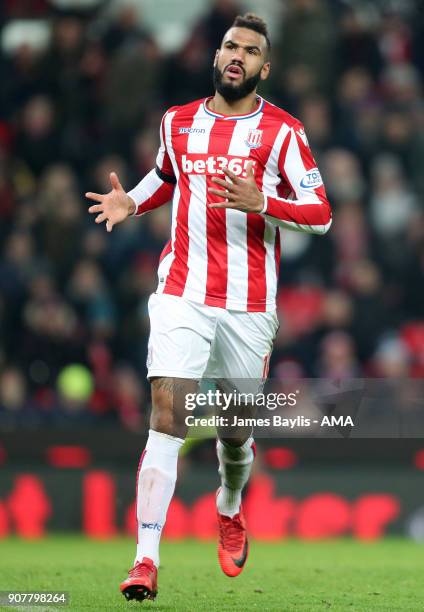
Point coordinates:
pixel 204 164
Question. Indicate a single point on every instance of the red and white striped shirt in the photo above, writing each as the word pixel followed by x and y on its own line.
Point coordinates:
pixel 224 257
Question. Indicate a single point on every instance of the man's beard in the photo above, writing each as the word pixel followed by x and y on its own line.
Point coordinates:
pixel 232 93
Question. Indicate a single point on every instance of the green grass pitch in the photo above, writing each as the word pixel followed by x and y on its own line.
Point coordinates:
pixel 340 575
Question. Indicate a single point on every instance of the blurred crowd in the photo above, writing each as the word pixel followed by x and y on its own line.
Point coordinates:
pixel 89 100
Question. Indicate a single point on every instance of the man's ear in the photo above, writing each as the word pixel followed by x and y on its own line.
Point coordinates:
pixel 216 58
pixel 265 71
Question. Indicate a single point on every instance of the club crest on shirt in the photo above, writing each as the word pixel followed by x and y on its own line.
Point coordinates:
pixel 254 138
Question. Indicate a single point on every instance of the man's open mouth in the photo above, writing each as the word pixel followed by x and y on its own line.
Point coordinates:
pixel 234 70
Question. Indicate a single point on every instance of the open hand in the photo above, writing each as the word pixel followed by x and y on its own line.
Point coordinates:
pixel 114 206
pixel 239 193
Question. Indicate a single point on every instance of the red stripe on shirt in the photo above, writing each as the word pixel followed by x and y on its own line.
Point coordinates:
pixel 157 199
pixel 256 251
pixel 282 159
pixel 305 214
pixel 277 251
pixel 216 227
pixel 177 276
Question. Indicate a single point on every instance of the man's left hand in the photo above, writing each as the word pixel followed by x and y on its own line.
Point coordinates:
pixel 239 193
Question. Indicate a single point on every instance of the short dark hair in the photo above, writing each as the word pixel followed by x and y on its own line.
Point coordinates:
pixel 255 23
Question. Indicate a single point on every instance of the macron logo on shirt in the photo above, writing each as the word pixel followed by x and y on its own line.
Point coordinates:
pixel 191 130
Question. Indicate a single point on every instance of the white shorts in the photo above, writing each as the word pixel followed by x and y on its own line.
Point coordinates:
pixel 192 340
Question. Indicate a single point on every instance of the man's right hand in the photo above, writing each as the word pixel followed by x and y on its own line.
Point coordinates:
pixel 114 206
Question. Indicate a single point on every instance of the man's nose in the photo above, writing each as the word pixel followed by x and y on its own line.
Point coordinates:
pixel 238 56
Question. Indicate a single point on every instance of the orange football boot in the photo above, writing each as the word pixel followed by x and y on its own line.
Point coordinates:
pixel 142 581
pixel 233 546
